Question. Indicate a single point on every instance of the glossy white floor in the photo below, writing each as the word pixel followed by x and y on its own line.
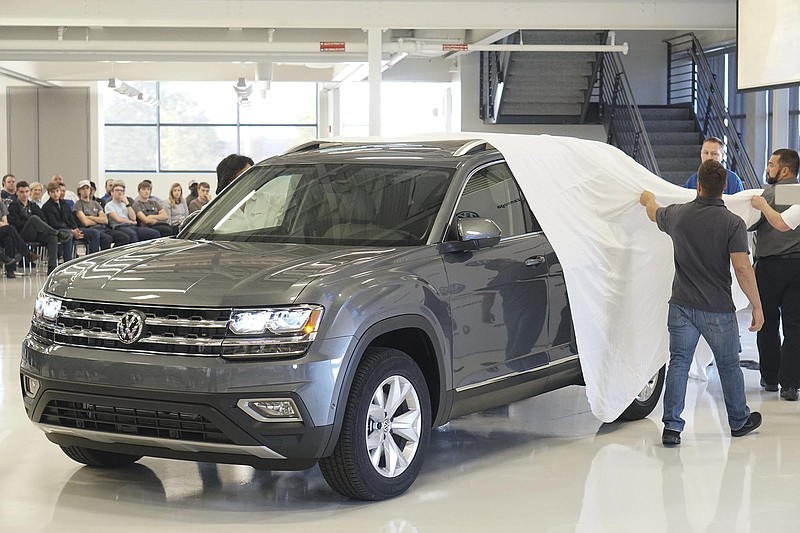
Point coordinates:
pixel 544 465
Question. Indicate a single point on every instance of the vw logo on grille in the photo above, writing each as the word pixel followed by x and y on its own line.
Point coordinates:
pixel 130 327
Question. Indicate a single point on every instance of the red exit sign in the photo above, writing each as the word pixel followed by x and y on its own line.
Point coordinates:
pixel 455 47
pixel 331 46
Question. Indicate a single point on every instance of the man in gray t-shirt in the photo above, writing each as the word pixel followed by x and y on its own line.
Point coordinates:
pixel 706 239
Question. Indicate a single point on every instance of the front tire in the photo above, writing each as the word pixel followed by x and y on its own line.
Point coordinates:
pixel 646 401
pixel 99 458
pixel 385 431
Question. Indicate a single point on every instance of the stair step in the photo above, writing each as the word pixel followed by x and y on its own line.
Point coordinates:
pixel 678 178
pixel 531 97
pixel 670 125
pixel 668 113
pixel 679 164
pixel 551 58
pixel 673 137
pixel 561 36
pixel 536 108
pixel 686 151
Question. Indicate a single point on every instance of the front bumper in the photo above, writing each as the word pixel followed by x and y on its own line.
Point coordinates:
pixel 183 407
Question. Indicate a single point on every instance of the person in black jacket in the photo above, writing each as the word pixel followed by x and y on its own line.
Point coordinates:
pixel 28 219
pixel 58 214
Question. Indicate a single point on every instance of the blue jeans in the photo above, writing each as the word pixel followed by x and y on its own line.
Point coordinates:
pixel 721 332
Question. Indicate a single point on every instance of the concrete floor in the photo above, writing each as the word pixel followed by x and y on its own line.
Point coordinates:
pixel 544 465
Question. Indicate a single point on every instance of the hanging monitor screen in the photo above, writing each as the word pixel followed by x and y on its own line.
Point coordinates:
pixel 768 44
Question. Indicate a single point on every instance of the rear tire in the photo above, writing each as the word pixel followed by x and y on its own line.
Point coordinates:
pixel 385 431
pixel 99 458
pixel 646 401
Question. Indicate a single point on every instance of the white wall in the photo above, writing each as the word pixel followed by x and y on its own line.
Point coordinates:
pixel 646 64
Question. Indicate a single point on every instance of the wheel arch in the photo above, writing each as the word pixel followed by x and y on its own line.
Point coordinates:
pixel 416 337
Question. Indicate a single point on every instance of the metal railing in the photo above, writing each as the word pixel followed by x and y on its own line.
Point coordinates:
pixel 493 69
pixel 624 125
pixel 690 79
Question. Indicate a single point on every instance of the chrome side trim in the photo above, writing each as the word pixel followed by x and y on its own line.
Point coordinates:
pixel 182 446
pixel 515 374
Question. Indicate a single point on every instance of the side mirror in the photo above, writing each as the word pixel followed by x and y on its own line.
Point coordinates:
pixel 473 234
pixel 188 220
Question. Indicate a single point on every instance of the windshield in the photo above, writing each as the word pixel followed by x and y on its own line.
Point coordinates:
pixel 343 204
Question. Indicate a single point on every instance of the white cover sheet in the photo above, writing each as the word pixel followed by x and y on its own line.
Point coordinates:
pixel 618 266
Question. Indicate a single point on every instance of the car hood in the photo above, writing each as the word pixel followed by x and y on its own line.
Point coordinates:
pixel 169 272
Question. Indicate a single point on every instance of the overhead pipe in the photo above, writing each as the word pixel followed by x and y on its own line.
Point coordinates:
pixel 242 51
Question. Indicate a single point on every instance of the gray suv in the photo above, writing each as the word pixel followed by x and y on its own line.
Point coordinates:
pixel 332 306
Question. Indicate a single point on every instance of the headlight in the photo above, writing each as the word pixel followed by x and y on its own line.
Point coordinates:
pixel 302 319
pixel 46 307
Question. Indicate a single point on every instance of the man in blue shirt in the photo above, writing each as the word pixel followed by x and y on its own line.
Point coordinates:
pixel 713 149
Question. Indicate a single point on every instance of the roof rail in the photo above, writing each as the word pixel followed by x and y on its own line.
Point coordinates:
pixel 473 147
pixel 306 146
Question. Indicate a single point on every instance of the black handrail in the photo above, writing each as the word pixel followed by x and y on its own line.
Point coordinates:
pixel 691 80
pixel 493 70
pixel 624 125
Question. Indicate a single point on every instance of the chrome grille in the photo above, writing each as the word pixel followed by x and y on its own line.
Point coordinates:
pixel 167 330
pixel 175 425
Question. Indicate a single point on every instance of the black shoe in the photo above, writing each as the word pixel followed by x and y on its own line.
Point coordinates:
pixel 752 423
pixel 4 259
pixel 670 437
pixel 10 274
pixel 768 386
pixel 789 393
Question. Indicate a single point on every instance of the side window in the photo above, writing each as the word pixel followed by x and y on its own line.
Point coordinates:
pixel 492 192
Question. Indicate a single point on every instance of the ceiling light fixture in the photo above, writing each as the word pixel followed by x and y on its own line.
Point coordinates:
pixel 126 90
pixel 243 92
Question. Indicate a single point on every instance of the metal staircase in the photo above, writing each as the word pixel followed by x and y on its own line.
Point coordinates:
pixel 692 82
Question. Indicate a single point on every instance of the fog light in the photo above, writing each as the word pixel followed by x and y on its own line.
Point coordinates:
pixel 271 409
pixel 31 387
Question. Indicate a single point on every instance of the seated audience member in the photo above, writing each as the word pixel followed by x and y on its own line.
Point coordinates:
pixel 70 203
pixel 9 191
pixel 122 218
pixel 192 192
pixel 91 215
pixel 202 197
pixel 58 214
pixel 28 219
pixel 69 196
pixel 107 196
pixel 13 245
pixel 150 212
pixel 231 168
pixel 37 193
pixel 176 207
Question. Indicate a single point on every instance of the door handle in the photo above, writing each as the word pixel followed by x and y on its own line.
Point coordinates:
pixel 535 260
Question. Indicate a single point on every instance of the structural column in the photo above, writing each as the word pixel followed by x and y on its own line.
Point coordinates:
pixel 374 50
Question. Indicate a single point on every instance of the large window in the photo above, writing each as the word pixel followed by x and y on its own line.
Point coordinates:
pixel 196 124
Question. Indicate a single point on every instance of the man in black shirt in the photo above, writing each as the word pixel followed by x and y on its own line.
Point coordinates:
pixel 26 216
pixel 58 214
pixel 706 238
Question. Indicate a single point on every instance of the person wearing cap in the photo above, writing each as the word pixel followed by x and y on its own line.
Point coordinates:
pixel 150 211
pixel 90 215
pixel 192 191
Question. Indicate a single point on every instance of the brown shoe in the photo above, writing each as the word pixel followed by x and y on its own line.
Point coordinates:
pixel 31 257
